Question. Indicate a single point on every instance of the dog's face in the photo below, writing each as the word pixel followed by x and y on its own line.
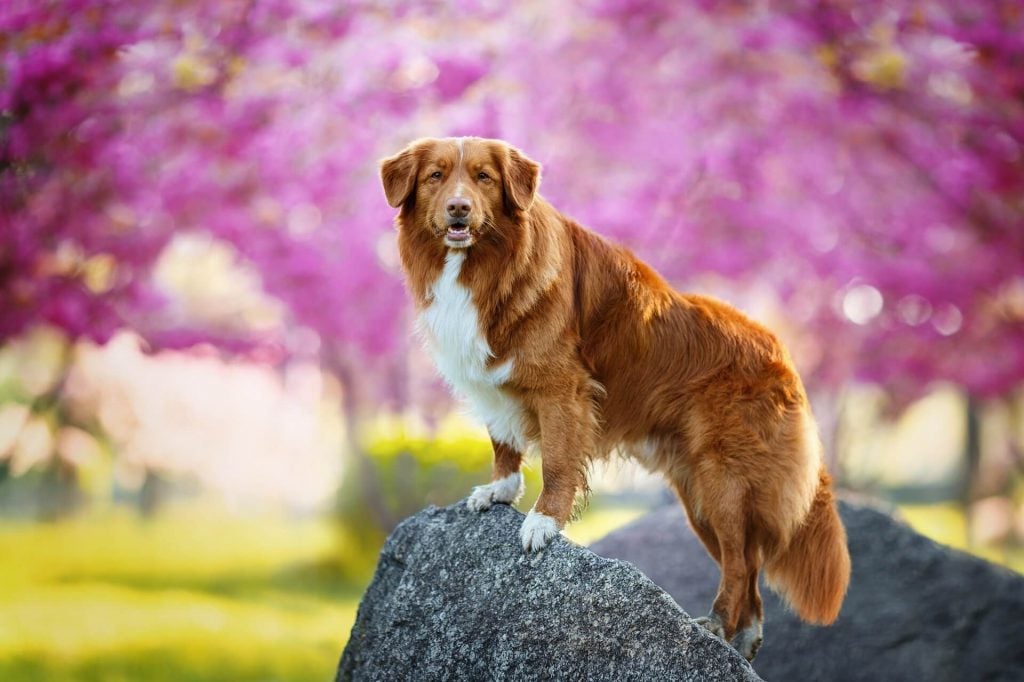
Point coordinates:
pixel 459 189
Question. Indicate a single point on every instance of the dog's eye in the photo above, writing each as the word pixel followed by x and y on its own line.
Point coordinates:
pixel 482 176
pixel 436 175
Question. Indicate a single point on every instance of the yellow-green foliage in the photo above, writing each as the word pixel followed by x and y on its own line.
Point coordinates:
pixel 194 594
pixel 946 523
pixel 404 468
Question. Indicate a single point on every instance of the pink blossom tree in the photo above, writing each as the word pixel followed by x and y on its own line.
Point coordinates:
pixel 861 160
pixel 864 160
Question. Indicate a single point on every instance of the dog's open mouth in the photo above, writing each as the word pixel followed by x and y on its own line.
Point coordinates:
pixel 458 232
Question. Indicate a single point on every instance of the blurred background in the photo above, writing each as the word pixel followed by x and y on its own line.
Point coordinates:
pixel 212 405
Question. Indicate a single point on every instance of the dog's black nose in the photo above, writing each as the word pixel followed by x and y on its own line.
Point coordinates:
pixel 459 207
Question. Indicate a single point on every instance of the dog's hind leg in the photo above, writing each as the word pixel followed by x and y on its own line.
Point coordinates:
pixel 722 510
pixel 704 532
pixel 749 633
pixel 724 618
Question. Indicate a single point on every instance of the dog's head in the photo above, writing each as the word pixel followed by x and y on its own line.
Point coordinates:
pixel 459 189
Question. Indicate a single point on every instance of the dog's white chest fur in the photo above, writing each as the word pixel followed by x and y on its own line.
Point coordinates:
pixel 451 327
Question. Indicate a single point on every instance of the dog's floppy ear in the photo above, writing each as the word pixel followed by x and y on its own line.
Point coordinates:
pixel 520 178
pixel 398 174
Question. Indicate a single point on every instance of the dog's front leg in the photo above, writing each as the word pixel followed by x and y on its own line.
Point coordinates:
pixel 506 484
pixel 566 426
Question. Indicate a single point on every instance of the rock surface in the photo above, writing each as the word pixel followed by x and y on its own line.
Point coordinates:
pixel 454 598
pixel 915 610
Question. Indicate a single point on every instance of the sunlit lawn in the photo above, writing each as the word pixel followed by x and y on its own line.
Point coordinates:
pixel 190 595
pixel 946 523
pixel 197 594
pixel 599 520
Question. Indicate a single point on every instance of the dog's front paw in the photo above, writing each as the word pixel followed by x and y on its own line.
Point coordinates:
pixel 505 490
pixel 537 531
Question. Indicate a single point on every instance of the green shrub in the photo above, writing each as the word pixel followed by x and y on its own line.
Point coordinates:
pixel 400 472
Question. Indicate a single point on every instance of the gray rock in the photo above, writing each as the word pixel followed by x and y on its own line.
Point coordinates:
pixel 455 598
pixel 915 610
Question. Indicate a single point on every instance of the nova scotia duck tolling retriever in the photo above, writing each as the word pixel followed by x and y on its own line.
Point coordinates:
pixel 562 341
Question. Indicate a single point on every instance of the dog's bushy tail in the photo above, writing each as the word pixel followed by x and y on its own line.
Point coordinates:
pixel 813 571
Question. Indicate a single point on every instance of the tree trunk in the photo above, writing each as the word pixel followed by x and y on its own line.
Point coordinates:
pixel 972 459
pixel 359 463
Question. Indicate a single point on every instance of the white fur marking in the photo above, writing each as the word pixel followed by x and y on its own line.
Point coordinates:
pixel 458 189
pixel 537 531
pixel 451 327
pixel 506 490
pixel 748 640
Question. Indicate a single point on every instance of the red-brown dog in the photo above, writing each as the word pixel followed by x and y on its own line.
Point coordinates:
pixel 561 340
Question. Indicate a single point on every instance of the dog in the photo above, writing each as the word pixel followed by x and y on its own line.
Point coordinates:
pixel 561 340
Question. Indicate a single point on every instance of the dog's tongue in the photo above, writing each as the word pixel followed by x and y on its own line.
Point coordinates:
pixel 458 233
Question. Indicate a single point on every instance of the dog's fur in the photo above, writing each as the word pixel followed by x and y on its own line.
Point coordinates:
pixel 562 340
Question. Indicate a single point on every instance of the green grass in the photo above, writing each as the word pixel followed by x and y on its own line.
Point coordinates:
pixel 194 594
pixel 598 521
pixel 945 523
